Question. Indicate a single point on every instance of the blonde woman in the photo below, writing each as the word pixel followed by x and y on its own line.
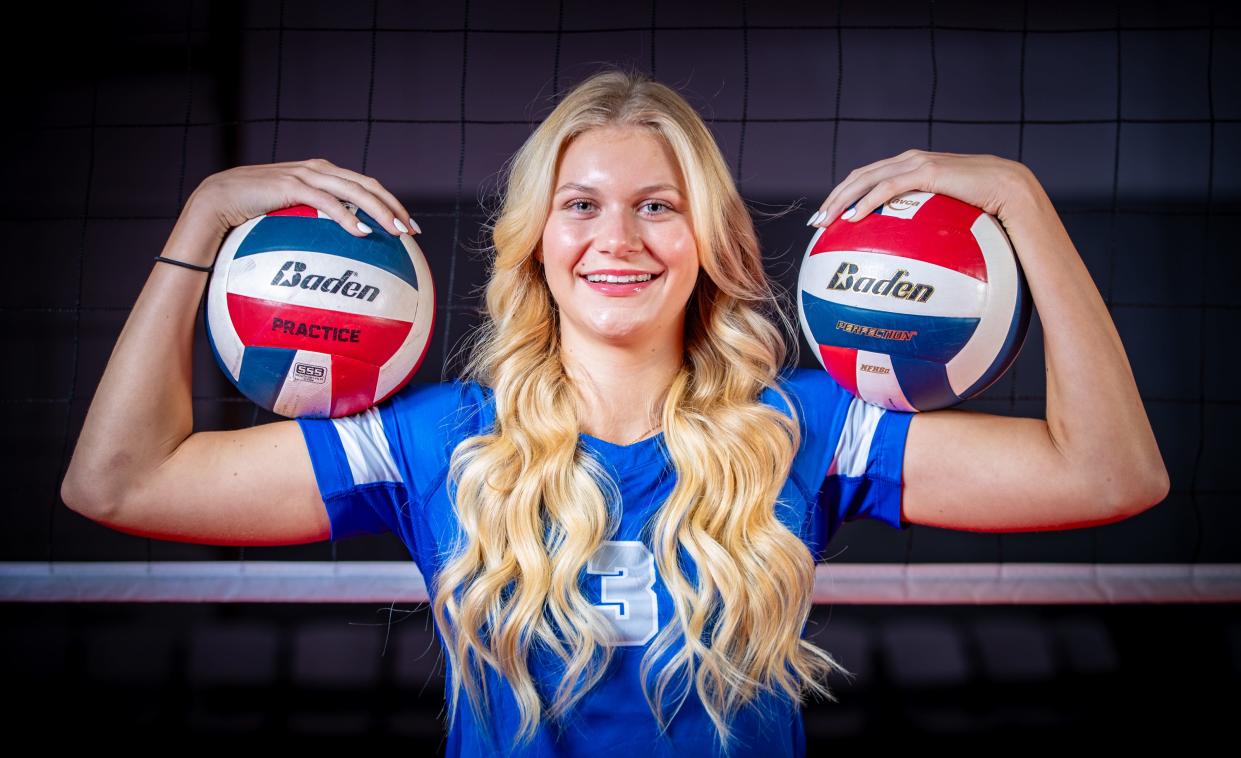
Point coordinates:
pixel 619 505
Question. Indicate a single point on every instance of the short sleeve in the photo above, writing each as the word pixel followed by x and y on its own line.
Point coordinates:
pixel 375 467
pixel 864 476
pixel 852 455
pixel 356 470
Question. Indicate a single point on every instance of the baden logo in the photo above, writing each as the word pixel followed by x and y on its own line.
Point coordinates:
pixel 843 279
pixel 336 285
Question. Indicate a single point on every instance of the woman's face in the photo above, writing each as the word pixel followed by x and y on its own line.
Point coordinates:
pixel 620 206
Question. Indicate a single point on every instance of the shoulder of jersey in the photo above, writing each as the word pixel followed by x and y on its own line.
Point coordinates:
pixel 450 408
pixel 820 399
pixel 811 380
pixel 799 382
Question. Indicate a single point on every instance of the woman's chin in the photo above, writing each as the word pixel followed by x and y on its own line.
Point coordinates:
pixel 619 327
pixel 618 333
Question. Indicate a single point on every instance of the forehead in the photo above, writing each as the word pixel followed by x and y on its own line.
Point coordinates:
pixel 619 155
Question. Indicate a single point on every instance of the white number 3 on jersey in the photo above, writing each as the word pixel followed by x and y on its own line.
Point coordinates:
pixel 627 574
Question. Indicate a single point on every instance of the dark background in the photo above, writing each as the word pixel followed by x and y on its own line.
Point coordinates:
pixel 1128 114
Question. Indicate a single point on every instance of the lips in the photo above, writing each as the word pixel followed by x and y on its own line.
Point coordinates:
pixel 654 275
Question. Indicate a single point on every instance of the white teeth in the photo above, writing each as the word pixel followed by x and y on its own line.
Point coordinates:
pixel 617 279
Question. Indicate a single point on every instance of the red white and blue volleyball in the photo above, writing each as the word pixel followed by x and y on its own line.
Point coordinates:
pixel 918 306
pixel 308 320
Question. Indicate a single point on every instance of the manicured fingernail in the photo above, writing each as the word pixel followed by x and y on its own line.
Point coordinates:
pixel 397 223
pixel 849 214
pixel 816 218
pixel 414 224
pixel 364 228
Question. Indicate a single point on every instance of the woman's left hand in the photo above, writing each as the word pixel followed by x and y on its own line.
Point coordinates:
pixel 986 181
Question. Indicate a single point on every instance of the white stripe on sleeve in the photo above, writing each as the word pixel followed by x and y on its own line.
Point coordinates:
pixel 853 448
pixel 366 447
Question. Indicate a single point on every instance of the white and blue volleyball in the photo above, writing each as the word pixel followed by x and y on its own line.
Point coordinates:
pixel 921 305
pixel 308 320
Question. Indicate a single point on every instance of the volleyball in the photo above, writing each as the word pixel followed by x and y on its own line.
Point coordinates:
pixel 308 320
pixel 919 306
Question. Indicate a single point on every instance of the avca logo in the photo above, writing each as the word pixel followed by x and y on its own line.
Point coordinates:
pixel 308 372
pixel 292 274
pixel 903 204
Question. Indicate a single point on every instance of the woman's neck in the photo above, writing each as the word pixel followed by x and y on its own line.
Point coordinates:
pixel 622 389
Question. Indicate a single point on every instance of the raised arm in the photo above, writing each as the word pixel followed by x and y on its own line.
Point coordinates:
pixel 137 467
pixel 1094 459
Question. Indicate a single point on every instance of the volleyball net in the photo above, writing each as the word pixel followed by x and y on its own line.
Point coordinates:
pixel 1126 114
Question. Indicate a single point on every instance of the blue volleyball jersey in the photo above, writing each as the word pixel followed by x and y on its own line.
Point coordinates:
pixel 386 469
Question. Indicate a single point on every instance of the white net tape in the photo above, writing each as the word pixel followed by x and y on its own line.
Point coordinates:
pixel 392 581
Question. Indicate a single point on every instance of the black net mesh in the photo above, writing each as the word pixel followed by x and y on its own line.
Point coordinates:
pixel 1129 114
pixel 1121 111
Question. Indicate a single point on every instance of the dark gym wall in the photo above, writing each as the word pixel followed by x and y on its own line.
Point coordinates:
pixel 1128 116
pixel 1128 113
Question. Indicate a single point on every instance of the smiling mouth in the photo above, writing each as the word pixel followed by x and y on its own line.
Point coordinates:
pixel 604 281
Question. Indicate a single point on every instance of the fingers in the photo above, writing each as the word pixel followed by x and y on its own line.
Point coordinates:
pixel 363 191
pixel 889 188
pixel 305 192
pixel 857 175
pixel 859 183
pixel 862 180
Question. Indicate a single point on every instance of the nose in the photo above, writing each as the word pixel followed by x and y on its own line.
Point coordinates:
pixel 618 233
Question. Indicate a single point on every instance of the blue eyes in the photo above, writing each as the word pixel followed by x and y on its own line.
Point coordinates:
pixel 574 205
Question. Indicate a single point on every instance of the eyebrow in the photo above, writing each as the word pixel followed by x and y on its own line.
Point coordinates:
pixel 651 188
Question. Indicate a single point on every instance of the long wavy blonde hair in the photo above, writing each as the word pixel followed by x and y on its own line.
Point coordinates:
pixel 532 504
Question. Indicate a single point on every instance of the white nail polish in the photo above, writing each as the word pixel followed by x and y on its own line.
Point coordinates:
pixel 364 228
pixel 848 214
pixel 414 224
pixel 397 223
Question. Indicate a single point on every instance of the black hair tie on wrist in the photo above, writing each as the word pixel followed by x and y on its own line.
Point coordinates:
pixel 183 263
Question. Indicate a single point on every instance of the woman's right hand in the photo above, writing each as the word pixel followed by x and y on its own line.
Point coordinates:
pixel 236 195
